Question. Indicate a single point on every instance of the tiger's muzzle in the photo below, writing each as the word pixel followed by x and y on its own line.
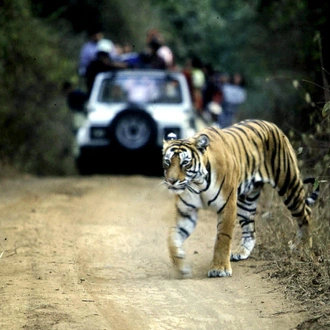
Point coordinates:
pixel 175 186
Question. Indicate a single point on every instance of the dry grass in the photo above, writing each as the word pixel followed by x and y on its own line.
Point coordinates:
pixel 305 277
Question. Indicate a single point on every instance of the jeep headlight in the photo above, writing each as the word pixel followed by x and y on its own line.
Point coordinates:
pixel 98 132
pixel 175 130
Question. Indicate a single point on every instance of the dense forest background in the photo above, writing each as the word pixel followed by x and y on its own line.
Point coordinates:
pixel 282 48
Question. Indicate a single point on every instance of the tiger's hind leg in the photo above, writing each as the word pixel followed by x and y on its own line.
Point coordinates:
pixel 246 209
pixel 304 240
pixel 297 203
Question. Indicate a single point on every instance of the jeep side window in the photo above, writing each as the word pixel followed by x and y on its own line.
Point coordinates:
pixel 117 93
pixel 170 91
pixel 112 91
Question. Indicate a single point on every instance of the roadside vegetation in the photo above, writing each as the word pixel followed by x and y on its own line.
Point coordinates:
pixel 280 46
pixel 306 277
pixel 34 121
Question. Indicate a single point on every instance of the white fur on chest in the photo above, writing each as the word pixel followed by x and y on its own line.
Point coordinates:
pixel 209 199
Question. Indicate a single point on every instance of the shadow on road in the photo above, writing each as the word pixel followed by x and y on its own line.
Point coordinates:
pixel 145 162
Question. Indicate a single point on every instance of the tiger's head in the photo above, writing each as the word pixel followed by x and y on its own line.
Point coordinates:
pixel 185 163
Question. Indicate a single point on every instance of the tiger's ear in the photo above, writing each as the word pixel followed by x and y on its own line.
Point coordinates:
pixel 202 142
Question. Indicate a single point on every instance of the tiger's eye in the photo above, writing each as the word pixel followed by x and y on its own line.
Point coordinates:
pixel 166 163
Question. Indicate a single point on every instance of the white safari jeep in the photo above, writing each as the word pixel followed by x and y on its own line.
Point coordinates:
pixel 128 114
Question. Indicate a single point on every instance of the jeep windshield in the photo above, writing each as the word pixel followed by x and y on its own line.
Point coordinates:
pixel 143 88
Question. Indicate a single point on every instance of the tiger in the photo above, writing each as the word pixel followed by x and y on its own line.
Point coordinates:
pixel 224 170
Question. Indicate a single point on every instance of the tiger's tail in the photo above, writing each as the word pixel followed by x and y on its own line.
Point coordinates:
pixel 314 195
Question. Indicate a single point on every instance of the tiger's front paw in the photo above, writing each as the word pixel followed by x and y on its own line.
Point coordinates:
pixel 182 269
pixel 185 271
pixel 239 256
pixel 220 271
pixel 244 251
pixel 181 266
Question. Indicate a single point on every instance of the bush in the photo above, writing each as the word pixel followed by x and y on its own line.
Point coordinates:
pixel 34 120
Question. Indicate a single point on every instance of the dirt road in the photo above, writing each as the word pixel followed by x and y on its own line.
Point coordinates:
pixel 91 253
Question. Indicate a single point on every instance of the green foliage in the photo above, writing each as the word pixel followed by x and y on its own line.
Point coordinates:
pixel 122 23
pixel 326 109
pixel 207 29
pixel 33 68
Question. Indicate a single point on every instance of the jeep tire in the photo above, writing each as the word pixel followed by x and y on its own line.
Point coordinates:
pixel 134 129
